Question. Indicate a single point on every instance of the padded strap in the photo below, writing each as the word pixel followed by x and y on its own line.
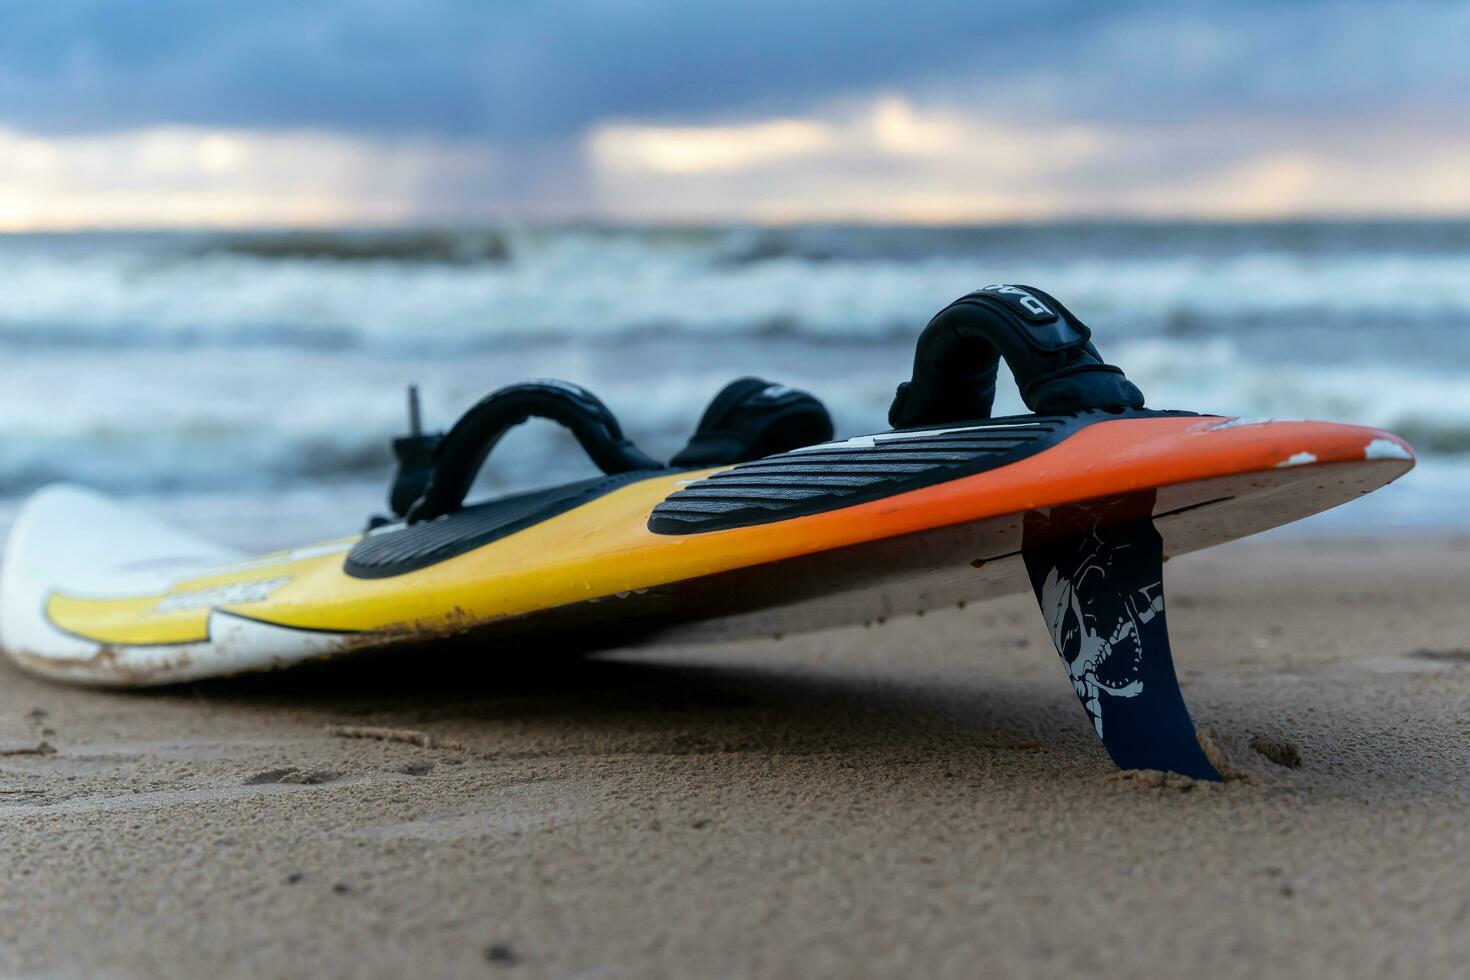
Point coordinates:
pixel 463 449
pixel 752 418
pixel 1049 351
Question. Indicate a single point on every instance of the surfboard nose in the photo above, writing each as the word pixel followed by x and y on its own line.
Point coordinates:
pixel 1305 442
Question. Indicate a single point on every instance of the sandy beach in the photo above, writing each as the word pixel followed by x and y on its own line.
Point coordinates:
pixel 923 798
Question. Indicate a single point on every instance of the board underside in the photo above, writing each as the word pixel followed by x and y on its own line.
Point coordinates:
pixel 96 593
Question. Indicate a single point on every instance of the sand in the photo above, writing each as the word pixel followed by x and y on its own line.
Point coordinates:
pixel 923 798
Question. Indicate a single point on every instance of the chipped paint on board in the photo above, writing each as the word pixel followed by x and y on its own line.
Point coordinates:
pixel 1386 449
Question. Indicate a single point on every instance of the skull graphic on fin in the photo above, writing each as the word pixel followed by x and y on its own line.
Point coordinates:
pixel 1097 626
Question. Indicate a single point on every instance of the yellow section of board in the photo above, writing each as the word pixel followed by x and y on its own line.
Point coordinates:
pixel 598 549
pixel 126 621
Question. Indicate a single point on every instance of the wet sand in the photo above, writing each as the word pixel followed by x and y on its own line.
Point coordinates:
pixel 922 798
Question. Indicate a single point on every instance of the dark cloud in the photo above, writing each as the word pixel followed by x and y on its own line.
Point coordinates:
pixel 528 71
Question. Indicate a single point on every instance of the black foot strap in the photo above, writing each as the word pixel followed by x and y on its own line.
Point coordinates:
pixel 458 456
pixel 750 419
pixel 1101 590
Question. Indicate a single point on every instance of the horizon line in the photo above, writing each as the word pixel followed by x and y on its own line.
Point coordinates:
pixel 695 224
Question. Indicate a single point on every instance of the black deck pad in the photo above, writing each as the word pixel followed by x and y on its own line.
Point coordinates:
pixel 399 548
pixel 815 479
pixel 1101 590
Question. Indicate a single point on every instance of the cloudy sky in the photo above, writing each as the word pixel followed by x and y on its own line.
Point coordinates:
pixel 277 112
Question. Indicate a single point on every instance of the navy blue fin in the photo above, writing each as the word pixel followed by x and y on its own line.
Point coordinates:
pixel 1101 590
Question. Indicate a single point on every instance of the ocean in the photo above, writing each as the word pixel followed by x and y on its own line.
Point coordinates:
pixel 249 383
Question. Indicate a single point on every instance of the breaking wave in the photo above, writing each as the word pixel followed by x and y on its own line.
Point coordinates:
pixel 177 363
pixel 441 293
